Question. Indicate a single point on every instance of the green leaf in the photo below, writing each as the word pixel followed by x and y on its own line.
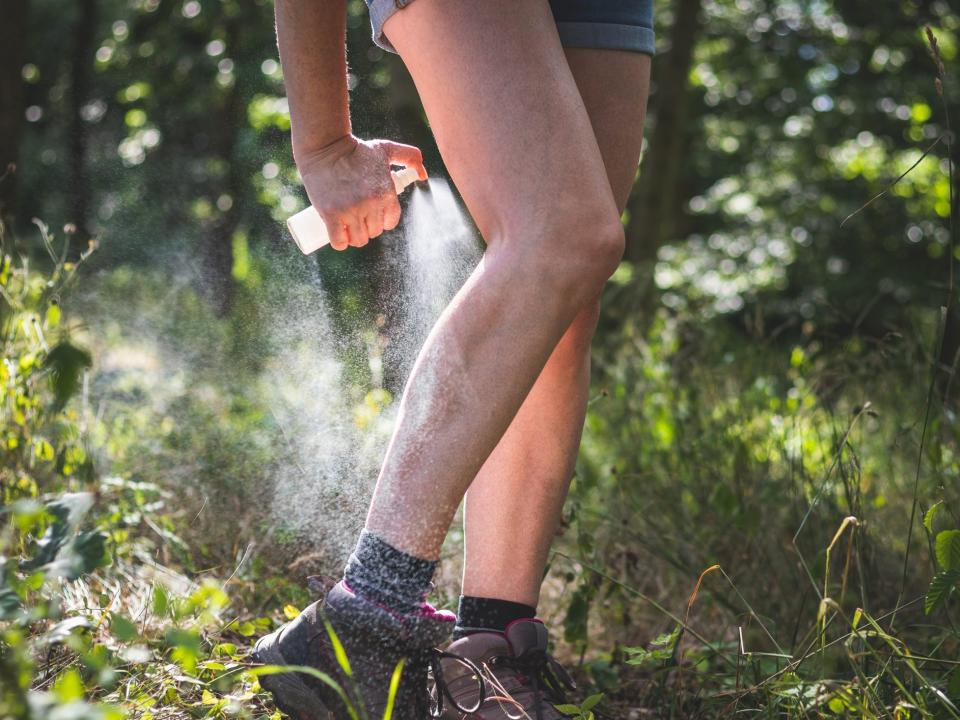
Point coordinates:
pixel 939 589
pixel 89 552
pixel 575 623
pixel 160 600
pixel 53 315
pixel 66 362
pixel 394 689
pixel 69 687
pixel 229 649
pixel 62 551
pixel 177 637
pixel 568 709
pixel 660 651
pixel 953 686
pixel 948 549
pixel 930 514
pixel 186 645
pixel 667 640
pixel 338 650
pixel 85 552
pixel 591 702
pixel 9 600
pixel 122 627
pixel 65 514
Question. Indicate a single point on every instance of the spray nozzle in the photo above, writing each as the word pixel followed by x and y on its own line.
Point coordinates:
pixel 310 232
pixel 405 177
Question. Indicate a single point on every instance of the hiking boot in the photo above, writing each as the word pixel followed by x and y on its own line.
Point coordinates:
pixel 518 678
pixel 374 639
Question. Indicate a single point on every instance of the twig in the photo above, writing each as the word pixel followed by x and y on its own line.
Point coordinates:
pixel 890 187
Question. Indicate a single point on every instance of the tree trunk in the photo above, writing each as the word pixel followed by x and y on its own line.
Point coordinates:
pixel 657 202
pixel 81 64
pixel 13 32
pixel 218 253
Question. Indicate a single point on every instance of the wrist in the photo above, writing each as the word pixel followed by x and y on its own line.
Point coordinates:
pixel 309 153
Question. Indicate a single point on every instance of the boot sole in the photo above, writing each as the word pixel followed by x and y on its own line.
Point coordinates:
pixel 290 694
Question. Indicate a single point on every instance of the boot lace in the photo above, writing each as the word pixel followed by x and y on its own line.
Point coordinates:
pixel 426 663
pixel 541 673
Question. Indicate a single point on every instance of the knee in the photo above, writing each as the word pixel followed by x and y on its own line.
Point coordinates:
pixel 576 254
pixel 593 249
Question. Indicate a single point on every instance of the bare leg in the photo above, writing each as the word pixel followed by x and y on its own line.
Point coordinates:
pixel 514 505
pixel 517 140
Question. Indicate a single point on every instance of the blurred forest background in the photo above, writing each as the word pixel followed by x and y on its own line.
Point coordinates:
pixel 765 513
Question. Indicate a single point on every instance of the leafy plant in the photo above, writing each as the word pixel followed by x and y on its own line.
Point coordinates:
pixel 948 578
pixel 661 651
pixel 47 540
pixel 583 711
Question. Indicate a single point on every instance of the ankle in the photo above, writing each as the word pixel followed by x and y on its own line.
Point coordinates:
pixel 479 614
pixel 379 572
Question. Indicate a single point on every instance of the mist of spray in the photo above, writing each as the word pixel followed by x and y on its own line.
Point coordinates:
pixel 321 494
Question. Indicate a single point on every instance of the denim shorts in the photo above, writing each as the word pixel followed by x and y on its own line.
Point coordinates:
pixel 602 24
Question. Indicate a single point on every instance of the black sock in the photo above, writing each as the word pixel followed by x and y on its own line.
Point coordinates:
pixel 391 577
pixel 477 614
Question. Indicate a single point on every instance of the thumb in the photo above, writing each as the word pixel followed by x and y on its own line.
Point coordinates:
pixel 406 155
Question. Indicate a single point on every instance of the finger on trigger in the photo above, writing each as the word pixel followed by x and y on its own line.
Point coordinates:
pixel 408 156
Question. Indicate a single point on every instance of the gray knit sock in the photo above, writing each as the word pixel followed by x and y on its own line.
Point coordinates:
pixel 380 572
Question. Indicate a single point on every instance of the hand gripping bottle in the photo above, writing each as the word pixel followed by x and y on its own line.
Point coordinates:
pixel 310 232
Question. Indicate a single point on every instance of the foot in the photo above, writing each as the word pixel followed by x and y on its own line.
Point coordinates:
pixel 520 679
pixel 374 639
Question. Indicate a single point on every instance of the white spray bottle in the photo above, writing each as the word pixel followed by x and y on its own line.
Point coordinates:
pixel 310 232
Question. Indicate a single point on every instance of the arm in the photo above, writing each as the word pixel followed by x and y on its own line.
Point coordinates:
pixel 311 36
pixel 347 179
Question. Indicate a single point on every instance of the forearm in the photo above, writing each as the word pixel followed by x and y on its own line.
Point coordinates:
pixel 311 35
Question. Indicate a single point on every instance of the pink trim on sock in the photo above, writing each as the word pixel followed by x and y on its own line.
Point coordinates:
pixel 424 610
pixel 389 610
pixel 429 611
